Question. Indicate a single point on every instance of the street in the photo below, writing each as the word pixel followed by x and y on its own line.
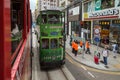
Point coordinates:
pixel 72 70
pixel 82 72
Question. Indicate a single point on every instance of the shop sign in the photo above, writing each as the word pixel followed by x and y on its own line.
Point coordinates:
pixel 104 32
pixel 97 39
pixel 85 30
pixel 74 11
pixel 106 12
pixel 97 4
pixel 85 15
pixel 97 30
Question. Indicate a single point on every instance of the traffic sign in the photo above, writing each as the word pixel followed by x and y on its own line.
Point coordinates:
pixel 97 39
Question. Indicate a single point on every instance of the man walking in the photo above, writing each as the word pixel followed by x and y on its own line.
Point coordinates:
pixel 87 45
pixel 105 54
pixel 76 48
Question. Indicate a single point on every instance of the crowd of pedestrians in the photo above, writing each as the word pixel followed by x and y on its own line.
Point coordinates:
pixel 84 47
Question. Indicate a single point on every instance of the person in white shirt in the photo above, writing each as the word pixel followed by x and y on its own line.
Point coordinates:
pixel 105 54
pixel 114 49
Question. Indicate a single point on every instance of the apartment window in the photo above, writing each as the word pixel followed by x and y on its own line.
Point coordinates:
pixel 85 7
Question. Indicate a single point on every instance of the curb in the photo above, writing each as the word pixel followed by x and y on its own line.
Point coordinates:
pixel 88 65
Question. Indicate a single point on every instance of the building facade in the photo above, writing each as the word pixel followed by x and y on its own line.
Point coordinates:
pixel 74 18
pixel 63 4
pixel 103 17
pixel 48 4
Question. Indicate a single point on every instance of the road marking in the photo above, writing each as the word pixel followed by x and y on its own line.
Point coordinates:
pixel 91 69
pixel 83 67
pixel 70 60
pixel 91 74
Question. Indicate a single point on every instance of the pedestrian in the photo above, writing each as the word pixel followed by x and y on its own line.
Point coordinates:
pixel 76 48
pixel 87 45
pixel 73 43
pixel 81 43
pixel 114 49
pixel 105 54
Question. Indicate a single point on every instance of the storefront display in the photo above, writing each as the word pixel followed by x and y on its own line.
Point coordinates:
pixel 109 32
pixel 115 32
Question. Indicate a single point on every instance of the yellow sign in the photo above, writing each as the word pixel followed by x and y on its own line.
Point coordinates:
pixel 104 32
pixel 85 15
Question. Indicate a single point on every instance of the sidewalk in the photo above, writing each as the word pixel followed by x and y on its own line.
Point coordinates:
pixel 88 59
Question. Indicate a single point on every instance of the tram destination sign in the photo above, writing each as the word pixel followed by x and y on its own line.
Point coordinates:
pixel 54 33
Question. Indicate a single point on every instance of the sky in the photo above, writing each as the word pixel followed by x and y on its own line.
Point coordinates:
pixel 32 5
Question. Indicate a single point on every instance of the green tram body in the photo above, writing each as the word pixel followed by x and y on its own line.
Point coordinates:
pixel 52 44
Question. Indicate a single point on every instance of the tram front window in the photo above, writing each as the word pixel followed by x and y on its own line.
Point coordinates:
pixel 54 43
pixel 53 19
pixel 45 43
pixel 60 42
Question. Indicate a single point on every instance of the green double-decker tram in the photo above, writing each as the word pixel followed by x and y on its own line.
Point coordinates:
pixel 52 38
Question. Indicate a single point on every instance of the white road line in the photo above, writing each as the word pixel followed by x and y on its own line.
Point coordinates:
pixel 83 67
pixel 91 74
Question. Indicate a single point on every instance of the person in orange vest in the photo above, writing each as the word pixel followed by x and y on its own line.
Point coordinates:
pixel 87 45
pixel 73 43
pixel 81 44
pixel 76 48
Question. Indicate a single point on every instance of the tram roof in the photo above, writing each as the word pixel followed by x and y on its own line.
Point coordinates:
pixel 50 10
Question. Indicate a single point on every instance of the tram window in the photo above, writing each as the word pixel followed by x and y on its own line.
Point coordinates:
pixel 53 19
pixel 45 43
pixel 54 43
pixel 60 42
pixel 16 24
pixel 44 19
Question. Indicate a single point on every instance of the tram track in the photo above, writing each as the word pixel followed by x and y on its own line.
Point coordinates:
pixel 56 74
pixel 59 74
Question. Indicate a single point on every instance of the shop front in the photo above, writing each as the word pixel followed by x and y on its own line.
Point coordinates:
pixel 114 34
pixel 74 21
pixel 108 21
pixel 103 26
pixel 86 30
pixel 109 32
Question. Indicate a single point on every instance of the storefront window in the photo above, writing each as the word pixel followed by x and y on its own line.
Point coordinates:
pixel 88 7
pixel 85 7
pixel 86 28
pixel 107 4
pixel 105 25
pixel 115 32
pixel 75 28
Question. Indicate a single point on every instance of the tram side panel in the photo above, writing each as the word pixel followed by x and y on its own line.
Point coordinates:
pixel 21 40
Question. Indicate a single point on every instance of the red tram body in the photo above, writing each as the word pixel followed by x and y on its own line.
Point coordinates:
pixel 15 24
